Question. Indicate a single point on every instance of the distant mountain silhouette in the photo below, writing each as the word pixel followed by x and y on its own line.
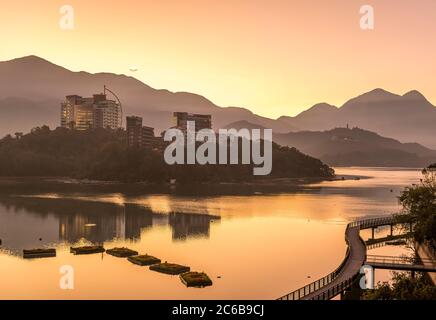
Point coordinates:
pixel 410 117
pixel 357 147
pixel 243 124
pixel 31 90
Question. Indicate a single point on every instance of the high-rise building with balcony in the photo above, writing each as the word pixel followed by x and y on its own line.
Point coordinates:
pixel 80 113
pixel 77 113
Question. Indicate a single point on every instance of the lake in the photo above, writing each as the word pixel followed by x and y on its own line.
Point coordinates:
pixel 252 244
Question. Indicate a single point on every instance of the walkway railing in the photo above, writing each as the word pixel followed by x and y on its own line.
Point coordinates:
pixel 343 285
pixel 333 292
pixel 325 281
pixel 373 222
pixel 318 284
pixel 401 261
pixel 372 243
pixel 375 245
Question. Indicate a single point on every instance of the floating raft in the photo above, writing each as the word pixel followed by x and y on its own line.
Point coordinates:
pixel 170 268
pixel 39 253
pixel 195 279
pixel 122 252
pixel 87 250
pixel 144 260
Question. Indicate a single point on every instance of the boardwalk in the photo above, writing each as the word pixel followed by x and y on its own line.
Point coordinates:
pixel 344 276
pixel 401 263
pixel 356 258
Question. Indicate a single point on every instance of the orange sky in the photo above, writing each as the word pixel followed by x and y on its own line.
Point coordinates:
pixel 274 57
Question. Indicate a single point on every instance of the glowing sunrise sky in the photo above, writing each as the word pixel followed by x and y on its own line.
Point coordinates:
pixel 275 57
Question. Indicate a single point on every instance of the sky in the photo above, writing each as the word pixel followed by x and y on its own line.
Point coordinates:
pixel 274 57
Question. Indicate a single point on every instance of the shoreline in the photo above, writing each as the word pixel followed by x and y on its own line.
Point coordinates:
pixel 43 180
pixel 10 186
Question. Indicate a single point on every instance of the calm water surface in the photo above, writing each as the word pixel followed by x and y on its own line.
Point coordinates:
pixel 257 246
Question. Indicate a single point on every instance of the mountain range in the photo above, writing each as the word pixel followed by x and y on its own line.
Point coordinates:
pixel 408 118
pixel 31 90
pixel 352 147
pixel 357 147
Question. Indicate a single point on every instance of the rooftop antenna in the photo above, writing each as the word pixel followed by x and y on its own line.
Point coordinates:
pixel 119 103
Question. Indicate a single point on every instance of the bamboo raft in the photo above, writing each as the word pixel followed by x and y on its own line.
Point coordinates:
pixel 170 268
pixel 122 252
pixel 39 253
pixel 144 260
pixel 195 279
pixel 87 250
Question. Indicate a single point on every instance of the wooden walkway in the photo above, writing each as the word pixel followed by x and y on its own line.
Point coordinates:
pixel 356 258
pixel 344 276
pixel 401 263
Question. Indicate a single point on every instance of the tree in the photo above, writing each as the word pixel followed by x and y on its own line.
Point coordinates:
pixel 419 204
pixel 103 154
pixel 403 287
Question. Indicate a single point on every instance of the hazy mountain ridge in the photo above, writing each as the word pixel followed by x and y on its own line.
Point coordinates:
pixel 352 147
pixel 31 90
pixel 46 85
pixel 410 117
pixel 357 147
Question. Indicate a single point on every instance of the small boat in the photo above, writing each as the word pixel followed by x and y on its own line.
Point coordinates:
pixel 39 253
pixel 122 252
pixel 87 250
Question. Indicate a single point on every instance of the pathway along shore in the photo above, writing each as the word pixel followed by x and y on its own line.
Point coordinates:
pixel 356 259
pixel 343 277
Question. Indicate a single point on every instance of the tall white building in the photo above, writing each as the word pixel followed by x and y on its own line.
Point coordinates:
pixel 80 113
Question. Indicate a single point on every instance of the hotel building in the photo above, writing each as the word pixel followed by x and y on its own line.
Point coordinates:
pixel 80 113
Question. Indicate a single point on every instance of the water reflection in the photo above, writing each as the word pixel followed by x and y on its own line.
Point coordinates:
pixel 28 222
pixel 288 233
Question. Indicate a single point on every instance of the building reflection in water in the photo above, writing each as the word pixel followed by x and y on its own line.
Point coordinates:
pixel 96 222
pixel 121 222
pixel 190 225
